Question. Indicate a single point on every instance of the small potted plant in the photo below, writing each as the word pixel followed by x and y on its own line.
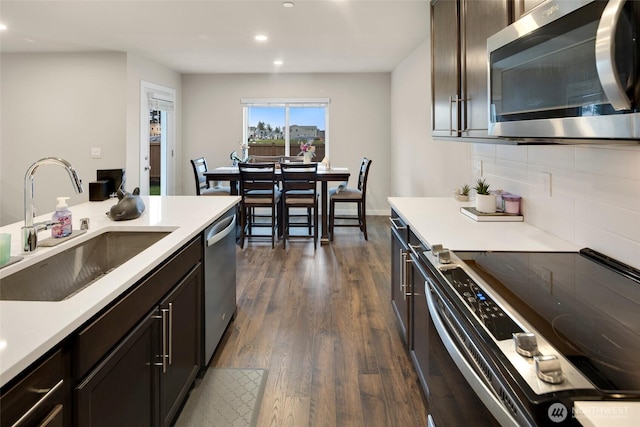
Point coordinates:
pixel 485 201
pixel 462 193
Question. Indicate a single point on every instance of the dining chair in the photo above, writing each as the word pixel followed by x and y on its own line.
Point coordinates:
pixel 258 190
pixel 345 194
pixel 299 190
pixel 203 188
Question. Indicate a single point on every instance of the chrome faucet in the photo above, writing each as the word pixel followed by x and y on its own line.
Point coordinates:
pixel 30 230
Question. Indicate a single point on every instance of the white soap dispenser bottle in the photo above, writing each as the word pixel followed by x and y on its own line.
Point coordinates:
pixel 62 219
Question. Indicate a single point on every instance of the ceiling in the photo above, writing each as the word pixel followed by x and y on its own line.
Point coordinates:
pixel 217 36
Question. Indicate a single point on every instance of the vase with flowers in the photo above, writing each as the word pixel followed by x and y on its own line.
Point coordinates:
pixel 307 150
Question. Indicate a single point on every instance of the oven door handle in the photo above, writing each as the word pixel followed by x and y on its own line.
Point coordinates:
pixel 484 393
pixel 605 56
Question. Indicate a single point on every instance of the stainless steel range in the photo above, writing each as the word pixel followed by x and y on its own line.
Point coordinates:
pixel 534 332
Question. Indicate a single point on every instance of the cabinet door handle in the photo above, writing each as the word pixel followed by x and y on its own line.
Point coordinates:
pixel 403 268
pixel 170 339
pixel 407 280
pixel 24 419
pixel 466 114
pixel 396 226
pixel 52 417
pixel 451 102
pixel 164 314
pixel 455 100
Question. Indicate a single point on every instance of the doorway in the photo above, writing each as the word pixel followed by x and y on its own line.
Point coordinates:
pixel 157 139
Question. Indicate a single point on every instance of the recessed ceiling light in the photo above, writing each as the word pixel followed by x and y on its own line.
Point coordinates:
pixel 3 27
pixel 278 62
pixel 261 38
pixel 288 4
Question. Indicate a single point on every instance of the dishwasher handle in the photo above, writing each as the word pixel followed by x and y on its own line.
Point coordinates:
pixel 215 234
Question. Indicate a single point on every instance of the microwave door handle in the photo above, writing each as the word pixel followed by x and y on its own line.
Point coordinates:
pixel 605 56
pixel 486 395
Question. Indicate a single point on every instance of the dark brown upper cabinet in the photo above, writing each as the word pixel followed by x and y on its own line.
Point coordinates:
pixel 459 32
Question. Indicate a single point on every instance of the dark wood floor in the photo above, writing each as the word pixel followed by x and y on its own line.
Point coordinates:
pixel 321 322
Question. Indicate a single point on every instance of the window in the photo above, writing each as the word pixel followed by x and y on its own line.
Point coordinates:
pixel 277 127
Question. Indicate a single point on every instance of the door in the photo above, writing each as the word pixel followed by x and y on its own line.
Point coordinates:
pixel 399 253
pixel 480 20
pixel 445 68
pixel 119 391
pixel 420 348
pixel 459 32
pixel 452 401
pixel 181 314
pixel 219 281
pixel 39 397
pixel 157 139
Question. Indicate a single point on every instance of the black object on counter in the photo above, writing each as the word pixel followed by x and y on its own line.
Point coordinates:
pixel 99 190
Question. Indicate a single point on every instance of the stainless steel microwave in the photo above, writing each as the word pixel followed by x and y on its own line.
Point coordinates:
pixel 568 72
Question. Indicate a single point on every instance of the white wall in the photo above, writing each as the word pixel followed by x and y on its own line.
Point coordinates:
pixel 595 191
pixel 62 105
pixel 58 105
pixel 359 115
pixel 421 166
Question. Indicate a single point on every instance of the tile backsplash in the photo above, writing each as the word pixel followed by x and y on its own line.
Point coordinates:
pixel 590 197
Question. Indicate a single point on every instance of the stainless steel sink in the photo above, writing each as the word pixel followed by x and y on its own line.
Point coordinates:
pixel 62 275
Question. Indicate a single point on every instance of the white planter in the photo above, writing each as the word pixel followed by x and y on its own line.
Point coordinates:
pixel 486 203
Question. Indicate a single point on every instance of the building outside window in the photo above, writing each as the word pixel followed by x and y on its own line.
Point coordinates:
pixel 278 127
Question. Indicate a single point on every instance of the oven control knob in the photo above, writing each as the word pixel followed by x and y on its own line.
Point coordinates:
pixel 436 249
pixel 444 256
pixel 548 368
pixel 526 344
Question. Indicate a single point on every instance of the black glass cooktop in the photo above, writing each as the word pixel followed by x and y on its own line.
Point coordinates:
pixel 585 304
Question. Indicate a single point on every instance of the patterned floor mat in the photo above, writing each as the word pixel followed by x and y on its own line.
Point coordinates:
pixel 225 398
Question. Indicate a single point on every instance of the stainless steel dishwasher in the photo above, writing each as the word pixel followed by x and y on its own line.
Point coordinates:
pixel 219 299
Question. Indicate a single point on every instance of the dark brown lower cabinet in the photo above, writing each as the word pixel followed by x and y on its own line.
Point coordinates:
pixel 145 378
pixel 421 330
pixel 182 361
pixel 399 254
pixel 38 398
pixel 120 390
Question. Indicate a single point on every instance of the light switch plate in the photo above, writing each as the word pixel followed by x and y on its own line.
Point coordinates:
pixel 96 152
pixel 545 184
pixel 478 168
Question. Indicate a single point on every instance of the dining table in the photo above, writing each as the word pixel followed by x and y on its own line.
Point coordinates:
pixel 324 176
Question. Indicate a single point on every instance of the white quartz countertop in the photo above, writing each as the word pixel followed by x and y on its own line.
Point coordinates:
pixel 438 220
pixel 28 329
